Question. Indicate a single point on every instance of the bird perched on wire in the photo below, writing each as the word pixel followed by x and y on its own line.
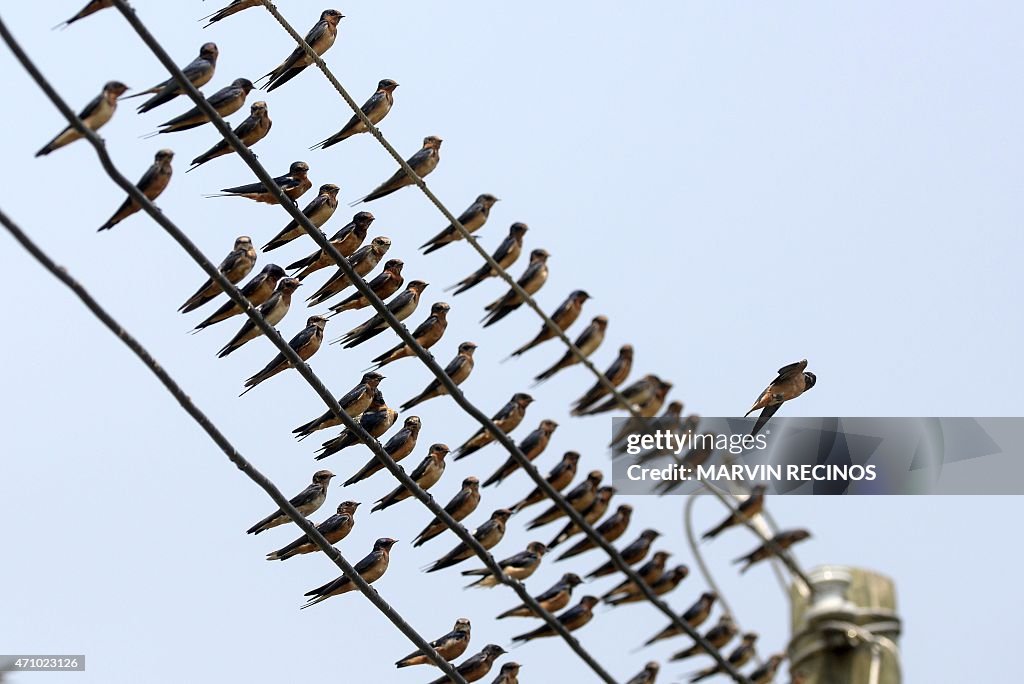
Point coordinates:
pixel 644 410
pixel 588 342
pixel 401 307
pixel 91 7
pixel 347 240
pixel 398 447
pixel 235 7
pixel 552 600
pixel 384 284
pixel 371 568
pixel 354 403
pixel 476 668
pixel 235 266
pixel 293 184
pixel 457 370
pixel 252 129
pixel 632 554
pixel 636 393
pixel 694 616
pixel 461 505
pixel 320 38
pixel 792 381
pixel 559 478
pixel 199 72
pixel 152 183
pixel 506 419
pixel 422 163
pixel 533 278
pixel 509 674
pixel 375 109
pixel 766 673
pixel 740 656
pixel 318 212
pixel 307 502
pixel 783 540
pixel 363 260
pixel 666 583
pixel 564 316
pixel 615 374
pixel 450 646
pixel 718 636
pixel 376 420
pixel 572 619
pixel 646 676
pixel 519 566
pixel 472 219
pixel 426 475
pixel 334 529
pixel 427 334
pixel 505 255
pixel 257 291
pixel 95 116
pixel 225 101
pixel 488 535
pixel 591 514
pixel 273 311
pixel 531 447
pixel 751 506
pixel 579 498
pixel 305 344
pixel 650 572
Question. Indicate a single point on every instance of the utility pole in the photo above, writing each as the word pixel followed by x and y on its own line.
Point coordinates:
pixel 846 631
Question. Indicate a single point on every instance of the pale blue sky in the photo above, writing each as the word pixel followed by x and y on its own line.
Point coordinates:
pixel 739 185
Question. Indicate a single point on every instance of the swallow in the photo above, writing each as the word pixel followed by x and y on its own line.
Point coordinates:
pixel 400 445
pixel 666 583
pixel 509 674
pixel 533 279
pixel 427 334
pixel 252 129
pixel 462 504
pixel 750 507
pixel 321 38
pixel 152 183
pixel 92 7
pixel 347 240
pixel 225 101
pixel 587 342
pixel 258 290
pixel 740 656
pixel 718 636
pixel 236 265
pixel 694 616
pixel 616 374
pixel 457 370
pixel 95 116
pixel 363 260
pixel 477 667
pixel 591 514
pixel 317 212
pixel 426 475
pixel 334 529
pixel 450 646
pixel 294 184
pixel 572 619
pixel 384 285
pixel 532 446
pixel 422 163
pixel 376 420
pixel 375 109
pixel 505 255
pixel 671 420
pixel 559 478
pixel 235 7
pixel 506 419
pixel 783 540
pixel 766 673
pixel 306 502
pixel 273 311
pixel 650 572
pixel 564 316
pixel 199 72
pixel 519 566
pixel 648 675
pixel 792 381
pixel 305 344
pixel 354 402
pixel 636 393
pixel 635 552
pixel 645 410
pixel 371 568
pixel 472 219
pixel 552 600
pixel 401 307
pixel 579 497
pixel 488 535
